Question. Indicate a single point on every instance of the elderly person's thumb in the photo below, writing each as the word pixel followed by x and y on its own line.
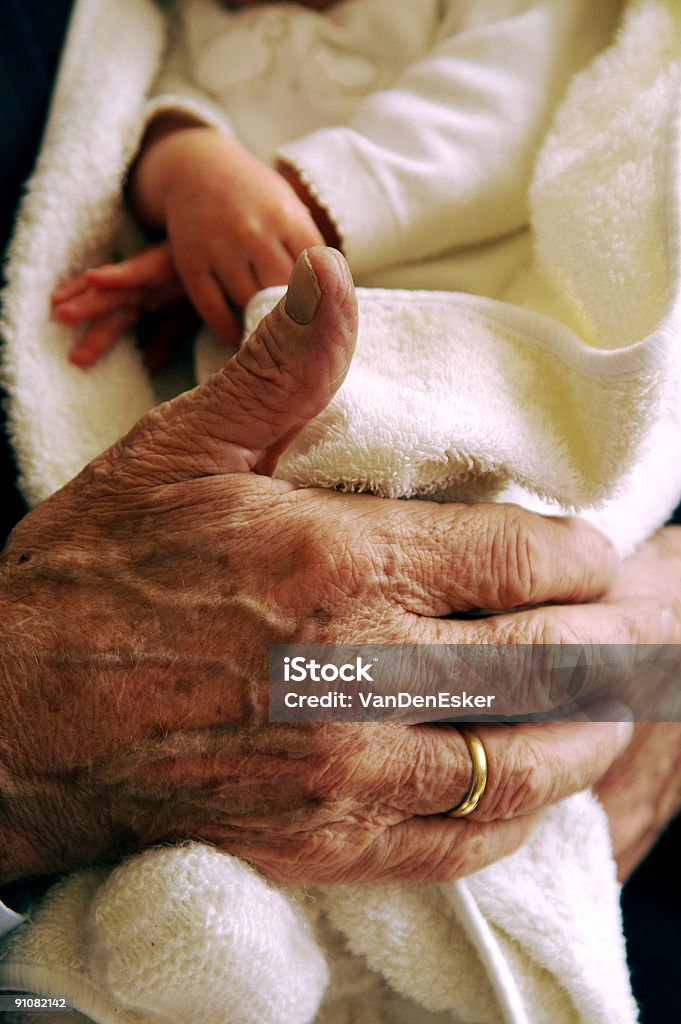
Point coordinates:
pixel 244 416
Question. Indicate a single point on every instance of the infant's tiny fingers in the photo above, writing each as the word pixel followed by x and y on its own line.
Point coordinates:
pixel 69 289
pixel 102 335
pixel 163 295
pixel 95 303
pixel 212 305
pixel 111 275
pixel 303 237
pixel 238 282
pixel 274 266
pixel 148 268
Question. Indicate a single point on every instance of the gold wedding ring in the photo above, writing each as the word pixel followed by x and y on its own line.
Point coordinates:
pixel 478 777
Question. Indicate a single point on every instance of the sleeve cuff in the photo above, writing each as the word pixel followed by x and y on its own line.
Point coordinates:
pixel 364 216
pixel 202 110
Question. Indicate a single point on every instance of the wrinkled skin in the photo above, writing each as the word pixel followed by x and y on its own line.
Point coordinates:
pixel 641 793
pixel 138 604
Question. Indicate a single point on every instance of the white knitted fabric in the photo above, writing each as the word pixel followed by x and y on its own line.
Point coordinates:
pixel 168 917
pixel 188 935
pixel 183 935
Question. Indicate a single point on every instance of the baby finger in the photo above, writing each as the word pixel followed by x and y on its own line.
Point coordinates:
pixel 102 335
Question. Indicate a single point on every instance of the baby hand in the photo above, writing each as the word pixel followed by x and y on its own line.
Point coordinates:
pixel 113 298
pixel 234 224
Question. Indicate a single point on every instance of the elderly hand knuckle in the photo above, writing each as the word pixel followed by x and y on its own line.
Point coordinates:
pixel 519 782
pixel 514 560
pixel 544 630
pixel 343 554
pixel 303 857
pixel 467 853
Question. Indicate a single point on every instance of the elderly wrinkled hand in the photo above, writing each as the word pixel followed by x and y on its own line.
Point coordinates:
pixel 138 604
pixel 641 793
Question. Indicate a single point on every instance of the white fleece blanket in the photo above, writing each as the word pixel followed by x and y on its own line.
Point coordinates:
pixel 578 376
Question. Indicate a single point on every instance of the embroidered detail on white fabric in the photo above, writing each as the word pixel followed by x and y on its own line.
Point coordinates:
pixel 248 54
pixel 245 53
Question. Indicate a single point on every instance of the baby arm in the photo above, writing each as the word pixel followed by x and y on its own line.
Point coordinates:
pixel 234 226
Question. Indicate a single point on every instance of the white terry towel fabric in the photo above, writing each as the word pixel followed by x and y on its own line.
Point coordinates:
pixel 578 372
pixel 191 936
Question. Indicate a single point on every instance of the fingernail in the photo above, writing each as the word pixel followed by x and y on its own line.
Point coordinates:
pixel 304 294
